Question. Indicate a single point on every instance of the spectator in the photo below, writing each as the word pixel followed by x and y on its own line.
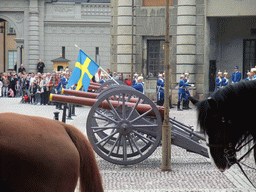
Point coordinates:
pixel 32 92
pixel 32 78
pixel 21 69
pixel 11 93
pixel 40 66
pixel 44 88
pixel 1 87
pixel 25 98
pixel 115 76
pixel 128 80
pixel 62 83
pixel 13 81
pixel 97 76
pixel 38 92
pixel 15 67
pixel 53 84
pixel 121 77
pixel 18 89
pixel 109 72
pixel 6 84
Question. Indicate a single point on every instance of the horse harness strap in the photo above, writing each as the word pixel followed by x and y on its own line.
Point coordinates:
pixel 230 152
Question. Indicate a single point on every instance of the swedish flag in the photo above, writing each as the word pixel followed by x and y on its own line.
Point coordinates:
pixel 83 72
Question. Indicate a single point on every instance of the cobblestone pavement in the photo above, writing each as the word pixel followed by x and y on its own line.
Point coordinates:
pixel 190 172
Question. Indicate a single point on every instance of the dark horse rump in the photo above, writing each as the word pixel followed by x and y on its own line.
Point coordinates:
pixel 227 117
pixel 39 154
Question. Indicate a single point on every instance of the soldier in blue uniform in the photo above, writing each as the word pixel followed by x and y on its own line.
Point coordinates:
pixel 236 76
pixel 253 70
pixel 225 79
pixel 160 90
pixel 186 103
pixel 135 79
pixel 181 92
pixel 249 76
pixel 139 85
pixel 218 81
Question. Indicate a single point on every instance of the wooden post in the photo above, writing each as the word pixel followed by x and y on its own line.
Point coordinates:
pixel 132 41
pixel 166 128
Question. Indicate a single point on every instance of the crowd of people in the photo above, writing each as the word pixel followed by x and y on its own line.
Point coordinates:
pixel 35 88
pixel 32 88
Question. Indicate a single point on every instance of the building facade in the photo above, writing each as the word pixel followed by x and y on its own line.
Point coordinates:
pixel 206 36
pixel 43 27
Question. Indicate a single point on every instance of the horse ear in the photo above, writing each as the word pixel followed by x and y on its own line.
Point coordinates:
pixel 212 104
pixel 193 100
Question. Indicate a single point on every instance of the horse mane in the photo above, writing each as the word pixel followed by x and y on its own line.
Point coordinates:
pixel 226 102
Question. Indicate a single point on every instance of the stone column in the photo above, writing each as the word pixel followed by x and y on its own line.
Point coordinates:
pixel 186 38
pixel 33 45
pixel 124 36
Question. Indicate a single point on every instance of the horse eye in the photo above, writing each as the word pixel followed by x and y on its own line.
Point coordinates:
pixel 223 120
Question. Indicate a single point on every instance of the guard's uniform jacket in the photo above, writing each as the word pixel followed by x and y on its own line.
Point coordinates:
pixel 134 81
pixel 139 87
pixel 224 82
pixel 236 77
pixel 160 91
pixel 218 83
pixel 186 80
pixel 248 79
pixel 181 92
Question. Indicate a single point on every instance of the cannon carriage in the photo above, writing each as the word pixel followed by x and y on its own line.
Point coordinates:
pixel 124 126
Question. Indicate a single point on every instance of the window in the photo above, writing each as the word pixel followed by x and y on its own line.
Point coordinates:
pixel 155 58
pixel 249 55
pixel 10 29
pixel 12 58
pixel 155 3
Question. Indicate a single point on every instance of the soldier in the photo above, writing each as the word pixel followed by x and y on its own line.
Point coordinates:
pixel 249 76
pixel 218 81
pixel 236 76
pixel 187 94
pixel 135 79
pixel 181 92
pixel 139 85
pixel 225 79
pixel 253 70
pixel 160 90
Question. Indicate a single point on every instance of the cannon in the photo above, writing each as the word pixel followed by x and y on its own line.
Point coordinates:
pixel 124 126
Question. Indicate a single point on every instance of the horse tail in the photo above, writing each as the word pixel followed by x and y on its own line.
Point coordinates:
pixel 90 178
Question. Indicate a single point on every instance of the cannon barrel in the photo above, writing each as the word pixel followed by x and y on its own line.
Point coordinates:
pixel 89 94
pixel 96 84
pixel 141 108
pixel 93 87
pixel 79 93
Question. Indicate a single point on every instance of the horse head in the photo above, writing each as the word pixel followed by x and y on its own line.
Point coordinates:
pixel 222 135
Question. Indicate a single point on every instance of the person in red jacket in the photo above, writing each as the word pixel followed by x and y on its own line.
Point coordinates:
pixel 128 80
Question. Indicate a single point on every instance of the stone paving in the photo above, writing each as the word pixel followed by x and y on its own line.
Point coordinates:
pixel 190 172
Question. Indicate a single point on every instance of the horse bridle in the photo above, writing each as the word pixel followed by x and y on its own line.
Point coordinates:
pixel 230 151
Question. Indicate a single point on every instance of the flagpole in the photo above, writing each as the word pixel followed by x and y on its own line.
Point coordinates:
pixel 109 76
pixel 103 70
pixel 77 46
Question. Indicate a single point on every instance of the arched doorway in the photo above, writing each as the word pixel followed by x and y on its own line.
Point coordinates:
pixel 10 49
